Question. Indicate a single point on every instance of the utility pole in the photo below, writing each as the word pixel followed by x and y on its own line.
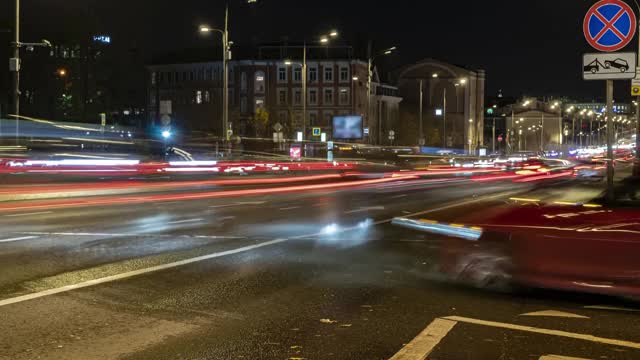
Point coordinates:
pixel 610 130
pixel 421 130
pixel 304 91
pixel 14 67
pixel 444 119
pixel 225 60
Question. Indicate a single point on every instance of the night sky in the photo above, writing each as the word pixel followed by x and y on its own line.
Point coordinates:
pixel 527 47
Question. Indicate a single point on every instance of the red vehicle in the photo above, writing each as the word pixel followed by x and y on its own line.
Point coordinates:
pixel 579 248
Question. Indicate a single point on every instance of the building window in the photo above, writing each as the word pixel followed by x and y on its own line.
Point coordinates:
pixel 160 77
pixel 297 97
pixel 282 96
pixel 184 76
pixel 344 74
pixel 259 82
pixel 282 74
pixel 313 74
pixel 344 96
pixel 154 77
pixel 207 97
pixel 243 104
pixel 313 119
pixel 282 117
pixel 328 97
pixel 201 74
pixel 313 97
pixel 297 74
pixel 198 97
pixel 259 104
pixel 209 74
pixel 176 77
pixel 327 119
pixel 328 74
pixel 243 81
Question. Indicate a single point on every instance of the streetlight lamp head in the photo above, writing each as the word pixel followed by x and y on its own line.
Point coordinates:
pixel 62 72
pixel 333 33
pixel 355 78
pixel 435 75
pixel 324 40
pixel 463 81
pixel 166 134
pixel 288 62
pixel 204 29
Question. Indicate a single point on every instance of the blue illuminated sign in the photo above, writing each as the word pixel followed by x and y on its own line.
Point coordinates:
pixel 105 39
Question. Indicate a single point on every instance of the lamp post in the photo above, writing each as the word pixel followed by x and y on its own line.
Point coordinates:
pixel 324 40
pixel 458 83
pixel 370 61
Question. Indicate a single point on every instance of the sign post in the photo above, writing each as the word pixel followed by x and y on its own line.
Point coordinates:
pixel 609 26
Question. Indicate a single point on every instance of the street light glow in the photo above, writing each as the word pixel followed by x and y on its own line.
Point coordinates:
pixel 355 78
pixel 435 75
pixel 324 40
pixel 333 33
pixel 288 62
pixel 166 134
pixel 205 29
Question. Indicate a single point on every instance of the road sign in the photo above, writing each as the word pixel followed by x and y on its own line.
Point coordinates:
pixel 609 25
pixel 229 133
pixel 609 66
pixel 366 131
pixel 103 119
pixel 317 131
pixel 277 127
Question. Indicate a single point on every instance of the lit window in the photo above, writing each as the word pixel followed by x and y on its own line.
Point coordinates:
pixel 259 82
pixel 207 96
pixel 282 97
pixel 198 97
pixel 344 96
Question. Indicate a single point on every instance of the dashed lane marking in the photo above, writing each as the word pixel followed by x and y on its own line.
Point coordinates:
pixel 184 221
pixel 554 313
pixel 30 214
pixel 610 308
pixel 18 239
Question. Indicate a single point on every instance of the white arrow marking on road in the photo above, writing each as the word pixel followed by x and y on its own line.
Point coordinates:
pixel 554 313
pixel 18 239
pixel 365 209
pixel 613 308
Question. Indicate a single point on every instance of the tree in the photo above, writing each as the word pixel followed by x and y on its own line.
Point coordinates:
pixel 260 121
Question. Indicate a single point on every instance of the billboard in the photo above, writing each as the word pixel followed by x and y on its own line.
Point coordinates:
pixel 347 127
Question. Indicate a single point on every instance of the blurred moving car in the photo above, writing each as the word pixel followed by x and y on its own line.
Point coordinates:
pixel 586 248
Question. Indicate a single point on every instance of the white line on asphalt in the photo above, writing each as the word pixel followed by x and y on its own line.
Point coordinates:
pixel 290 208
pixel 30 214
pixel 131 274
pixel 399 196
pixel 365 209
pixel 18 239
pixel 238 204
pixel 587 337
pixel 423 344
pixel 184 221
pixel 202 258
pixel 554 313
pixel 559 357
pixel 611 308
pixel 132 235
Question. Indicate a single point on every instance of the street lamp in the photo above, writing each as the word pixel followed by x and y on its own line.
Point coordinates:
pixel 324 39
pixel 371 59
pixel 205 29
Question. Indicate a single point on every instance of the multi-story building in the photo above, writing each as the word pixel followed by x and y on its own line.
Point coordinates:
pixel 334 87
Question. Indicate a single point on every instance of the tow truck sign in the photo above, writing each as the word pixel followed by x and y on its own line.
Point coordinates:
pixel 609 66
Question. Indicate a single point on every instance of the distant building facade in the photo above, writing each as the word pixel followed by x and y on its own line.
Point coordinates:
pixel 458 125
pixel 334 87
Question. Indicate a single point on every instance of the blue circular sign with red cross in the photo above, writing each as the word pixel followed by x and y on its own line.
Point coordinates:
pixel 610 25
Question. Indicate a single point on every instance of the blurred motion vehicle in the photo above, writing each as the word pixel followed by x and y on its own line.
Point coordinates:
pixel 586 248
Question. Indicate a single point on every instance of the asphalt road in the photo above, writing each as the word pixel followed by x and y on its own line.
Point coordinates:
pixel 301 275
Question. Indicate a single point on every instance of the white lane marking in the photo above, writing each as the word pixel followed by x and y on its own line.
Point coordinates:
pixel 290 208
pixel 184 221
pixel 399 196
pixel 423 344
pixel 203 258
pixel 611 308
pixel 132 235
pixel 554 313
pixel 131 274
pixel 560 357
pixel 238 204
pixel 30 214
pixel 18 239
pixel 365 209
pixel 566 334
